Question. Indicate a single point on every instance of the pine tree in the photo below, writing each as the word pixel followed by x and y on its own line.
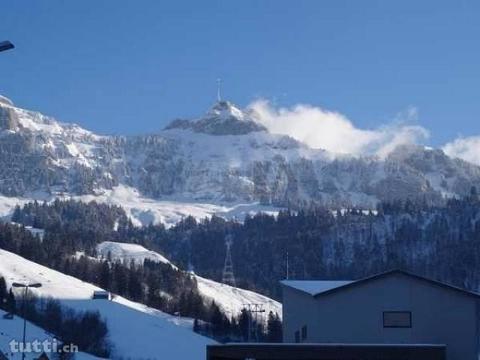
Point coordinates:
pixel 196 326
pixel 244 324
pixel 105 275
pixel 3 293
pixel 53 316
pixel 218 320
pixel 274 328
pixel 11 303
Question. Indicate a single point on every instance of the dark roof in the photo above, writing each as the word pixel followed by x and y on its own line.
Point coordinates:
pixel 289 351
pixel 350 284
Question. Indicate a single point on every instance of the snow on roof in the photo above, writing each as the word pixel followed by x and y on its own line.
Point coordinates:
pixel 315 287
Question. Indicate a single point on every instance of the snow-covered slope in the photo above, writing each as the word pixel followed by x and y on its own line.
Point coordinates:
pixel 144 210
pixel 223 162
pixel 129 252
pixel 13 330
pixel 136 330
pixel 231 299
pixel 8 203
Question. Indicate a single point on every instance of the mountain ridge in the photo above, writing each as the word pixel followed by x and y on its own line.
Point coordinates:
pixel 226 156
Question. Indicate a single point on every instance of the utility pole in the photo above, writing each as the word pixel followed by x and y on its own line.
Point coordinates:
pixel 253 310
pixel 25 293
pixel 288 267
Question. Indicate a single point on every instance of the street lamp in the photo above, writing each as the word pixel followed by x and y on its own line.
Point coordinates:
pixel 6 45
pixel 26 287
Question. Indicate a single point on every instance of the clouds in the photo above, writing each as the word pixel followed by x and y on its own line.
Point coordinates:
pixel 466 148
pixel 332 131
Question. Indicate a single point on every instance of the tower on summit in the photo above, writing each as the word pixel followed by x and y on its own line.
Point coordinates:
pixel 219 88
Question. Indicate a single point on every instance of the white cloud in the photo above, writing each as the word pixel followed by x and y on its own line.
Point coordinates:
pixel 466 148
pixel 332 131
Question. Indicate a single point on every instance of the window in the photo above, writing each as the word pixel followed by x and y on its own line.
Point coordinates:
pixel 397 319
pixel 304 332
pixel 297 336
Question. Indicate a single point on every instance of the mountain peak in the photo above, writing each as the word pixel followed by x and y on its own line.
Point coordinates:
pixel 225 109
pixel 224 118
pixel 5 101
pixel 8 117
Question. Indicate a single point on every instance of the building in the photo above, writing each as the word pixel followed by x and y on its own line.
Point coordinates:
pixel 101 295
pixel 392 308
pixel 324 352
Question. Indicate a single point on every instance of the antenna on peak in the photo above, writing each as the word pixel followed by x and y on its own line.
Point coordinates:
pixel 219 84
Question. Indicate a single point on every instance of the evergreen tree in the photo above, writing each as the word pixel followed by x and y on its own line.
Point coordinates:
pixel 105 275
pixel 3 293
pixel 244 325
pixel 274 328
pixel 53 316
pixel 196 326
pixel 11 303
pixel 218 320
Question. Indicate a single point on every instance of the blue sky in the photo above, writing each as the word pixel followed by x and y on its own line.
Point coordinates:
pixel 127 67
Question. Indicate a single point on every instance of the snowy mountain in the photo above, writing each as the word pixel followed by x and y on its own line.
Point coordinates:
pixel 223 119
pixel 217 164
pixel 135 330
pixel 231 299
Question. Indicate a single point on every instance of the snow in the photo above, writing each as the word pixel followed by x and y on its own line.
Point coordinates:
pixel 5 101
pixel 13 330
pixel 144 211
pixel 128 252
pixel 7 205
pixel 38 123
pixel 136 331
pixel 224 110
pixel 231 299
pixel 67 143
pixel 206 174
pixel 315 287
pixel 238 150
